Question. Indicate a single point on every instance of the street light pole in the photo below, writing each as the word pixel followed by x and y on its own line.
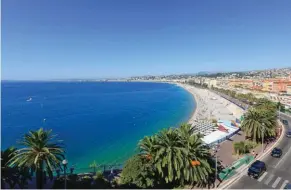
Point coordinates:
pixel 65 162
pixel 263 130
pixel 215 170
pixel 215 148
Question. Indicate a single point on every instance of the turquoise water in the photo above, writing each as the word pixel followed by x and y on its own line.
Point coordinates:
pixel 97 121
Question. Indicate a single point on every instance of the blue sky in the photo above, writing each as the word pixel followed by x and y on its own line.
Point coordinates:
pixel 58 39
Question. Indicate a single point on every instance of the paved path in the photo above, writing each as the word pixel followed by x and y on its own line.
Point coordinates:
pixel 225 154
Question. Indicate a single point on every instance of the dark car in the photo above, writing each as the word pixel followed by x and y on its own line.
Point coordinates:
pixel 287 186
pixel 276 152
pixel 257 169
pixel 285 122
pixel 288 133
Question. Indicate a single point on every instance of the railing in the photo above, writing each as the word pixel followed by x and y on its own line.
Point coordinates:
pixel 104 168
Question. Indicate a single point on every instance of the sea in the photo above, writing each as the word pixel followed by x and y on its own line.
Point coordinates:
pixel 97 121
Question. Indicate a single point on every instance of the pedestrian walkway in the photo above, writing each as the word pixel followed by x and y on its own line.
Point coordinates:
pixel 235 168
pixel 225 153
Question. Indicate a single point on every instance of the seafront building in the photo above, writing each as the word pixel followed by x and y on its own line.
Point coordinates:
pixel 275 89
pixel 274 84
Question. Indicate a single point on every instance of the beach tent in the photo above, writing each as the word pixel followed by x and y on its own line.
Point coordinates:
pixel 220 136
pixel 227 123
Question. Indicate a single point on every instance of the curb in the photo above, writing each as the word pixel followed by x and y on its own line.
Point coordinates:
pixel 238 176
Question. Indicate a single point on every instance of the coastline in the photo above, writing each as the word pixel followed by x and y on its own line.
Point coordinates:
pixel 210 105
pixel 196 99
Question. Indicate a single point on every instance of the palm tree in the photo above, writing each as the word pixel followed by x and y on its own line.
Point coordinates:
pixel 198 152
pixel 94 166
pixel 170 155
pixel 239 147
pixel 178 155
pixel 41 152
pixel 8 173
pixel 147 146
pixel 13 175
pixel 23 176
pixel 165 151
pixel 266 104
pixel 258 122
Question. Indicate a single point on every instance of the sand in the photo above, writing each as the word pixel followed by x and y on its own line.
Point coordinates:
pixel 211 106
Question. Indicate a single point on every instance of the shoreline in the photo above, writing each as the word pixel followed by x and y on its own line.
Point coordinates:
pixel 196 99
pixel 210 105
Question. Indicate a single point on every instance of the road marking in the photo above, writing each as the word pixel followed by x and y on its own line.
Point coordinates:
pixel 269 179
pixel 284 183
pixel 283 158
pixel 262 177
pixel 245 172
pixel 276 182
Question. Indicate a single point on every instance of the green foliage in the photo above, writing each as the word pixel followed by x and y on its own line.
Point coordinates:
pixel 259 123
pixel 171 153
pixel 7 173
pixel 13 175
pixel 266 104
pixel 138 172
pixel 99 182
pixel 248 98
pixel 243 147
pixel 40 152
pixel 94 166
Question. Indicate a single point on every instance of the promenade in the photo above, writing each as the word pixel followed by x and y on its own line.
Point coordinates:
pixel 213 106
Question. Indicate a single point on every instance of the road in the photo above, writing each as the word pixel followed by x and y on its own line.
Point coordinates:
pixel 278 169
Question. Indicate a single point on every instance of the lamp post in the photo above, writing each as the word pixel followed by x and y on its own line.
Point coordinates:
pixel 215 149
pixel 65 163
pixel 263 130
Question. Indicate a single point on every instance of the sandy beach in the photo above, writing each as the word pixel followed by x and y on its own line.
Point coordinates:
pixel 211 106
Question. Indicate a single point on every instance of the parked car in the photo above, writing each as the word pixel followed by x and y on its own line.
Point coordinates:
pixel 285 122
pixel 287 186
pixel 276 152
pixel 257 169
pixel 288 133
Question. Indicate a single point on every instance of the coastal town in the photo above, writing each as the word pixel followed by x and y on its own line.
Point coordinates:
pixel 224 124
pixel 273 84
pixel 145 94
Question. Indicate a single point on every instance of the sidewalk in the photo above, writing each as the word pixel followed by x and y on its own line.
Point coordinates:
pixel 225 153
pixel 235 167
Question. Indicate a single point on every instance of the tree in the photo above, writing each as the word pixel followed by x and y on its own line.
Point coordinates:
pixel 94 166
pixel 138 172
pixel 178 156
pixel 169 158
pixel 258 122
pixel 243 147
pixel 13 175
pixel 23 176
pixel 8 173
pixel 99 182
pixel 197 153
pixel 264 103
pixel 41 152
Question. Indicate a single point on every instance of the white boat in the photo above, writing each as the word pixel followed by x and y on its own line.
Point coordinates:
pixel 29 99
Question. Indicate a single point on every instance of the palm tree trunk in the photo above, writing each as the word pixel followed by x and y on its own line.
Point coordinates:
pixel 39 176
